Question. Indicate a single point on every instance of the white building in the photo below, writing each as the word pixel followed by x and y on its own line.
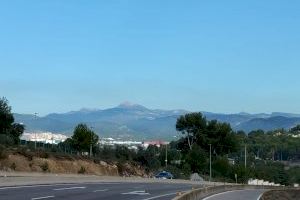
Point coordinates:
pixel 44 137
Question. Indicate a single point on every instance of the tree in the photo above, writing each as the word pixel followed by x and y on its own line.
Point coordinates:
pixel 197 159
pixel 296 129
pixel 6 117
pixel 83 137
pixel 16 132
pixel 191 124
pixel 9 130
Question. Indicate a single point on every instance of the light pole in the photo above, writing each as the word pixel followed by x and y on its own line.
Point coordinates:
pixel 209 162
pixel 166 160
pixel 91 140
pixel 245 156
pixel 35 131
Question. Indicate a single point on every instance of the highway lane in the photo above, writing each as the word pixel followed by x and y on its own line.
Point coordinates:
pixel 237 195
pixel 93 191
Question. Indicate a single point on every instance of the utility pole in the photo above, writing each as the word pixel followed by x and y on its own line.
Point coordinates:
pixel 91 140
pixel 209 162
pixel 166 160
pixel 245 156
pixel 35 131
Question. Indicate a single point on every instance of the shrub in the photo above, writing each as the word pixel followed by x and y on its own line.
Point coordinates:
pixel 43 154
pixel 26 153
pixel 6 140
pixel 81 170
pixel 3 153
pixel 13 166
pixel 45 167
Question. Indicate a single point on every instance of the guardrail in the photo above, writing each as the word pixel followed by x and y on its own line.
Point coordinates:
pixel 197 194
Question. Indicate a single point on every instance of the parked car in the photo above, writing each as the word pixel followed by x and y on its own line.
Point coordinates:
pixel 164 175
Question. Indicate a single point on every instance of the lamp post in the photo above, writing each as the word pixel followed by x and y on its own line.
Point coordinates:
pixel 209 162
pixel 166 160
pixel 245 156
pixel 35 131
pixel 91 140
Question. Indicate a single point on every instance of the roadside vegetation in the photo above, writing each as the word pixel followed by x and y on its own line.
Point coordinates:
pixel 273 156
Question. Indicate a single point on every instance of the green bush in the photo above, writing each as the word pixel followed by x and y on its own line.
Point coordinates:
pixel 45 167
pixel 6 140
pixel 43 154
pixel 81 170
pixel 3 153
pixel 13 166
pixel 26 153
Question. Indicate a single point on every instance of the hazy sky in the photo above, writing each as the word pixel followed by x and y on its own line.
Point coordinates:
pixel 219 56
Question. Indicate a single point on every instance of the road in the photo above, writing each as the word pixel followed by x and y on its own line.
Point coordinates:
pixel 93 191
pixel 237 195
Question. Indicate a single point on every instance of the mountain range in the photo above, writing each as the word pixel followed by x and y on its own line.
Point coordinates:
pixel 132 121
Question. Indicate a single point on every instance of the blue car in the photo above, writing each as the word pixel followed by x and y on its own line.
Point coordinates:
pixel 164 175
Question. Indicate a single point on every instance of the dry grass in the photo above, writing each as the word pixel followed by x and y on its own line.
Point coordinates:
pixel 30 163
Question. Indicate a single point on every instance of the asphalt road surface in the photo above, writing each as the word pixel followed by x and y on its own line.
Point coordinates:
pixel 237 195
pixel 94 191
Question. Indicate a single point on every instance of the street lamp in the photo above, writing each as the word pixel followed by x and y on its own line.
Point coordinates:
pixel 35 131
pixel 209 162
pixel 166 160
pixel 91 140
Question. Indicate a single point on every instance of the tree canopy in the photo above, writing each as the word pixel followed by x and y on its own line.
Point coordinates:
pixel 10 132
pixel 83 137
pixel 203 132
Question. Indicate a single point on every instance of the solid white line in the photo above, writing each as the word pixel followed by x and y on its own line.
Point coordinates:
pixel 206 198
pixel 104 190
pixel 47 197
pixel 260 196
pixel 218 194
pixel 33 186
pixel 70 188
pixel 156 197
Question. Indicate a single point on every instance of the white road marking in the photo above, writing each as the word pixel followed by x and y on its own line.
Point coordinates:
pixel 32 186
pixel 104 190
pixel 59 184
pixel 159 196
pixel 206 198
pixel 143 192
pixel 224 193
pixel 46 197
pixel 70 188
pixel 260 196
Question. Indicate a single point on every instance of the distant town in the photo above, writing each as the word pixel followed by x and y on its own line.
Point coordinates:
pixel 56 138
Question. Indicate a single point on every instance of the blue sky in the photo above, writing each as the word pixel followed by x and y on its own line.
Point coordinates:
pixel 219 56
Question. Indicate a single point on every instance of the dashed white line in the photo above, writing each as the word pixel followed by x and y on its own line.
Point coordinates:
pixel 70 188
pixel 143 192
pixel 46 197
pixel 104 190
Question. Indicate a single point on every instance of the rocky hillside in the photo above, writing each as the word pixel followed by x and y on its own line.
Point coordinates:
pixel 23 160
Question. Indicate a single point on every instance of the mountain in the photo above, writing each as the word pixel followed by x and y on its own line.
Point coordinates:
pixel 133 121
pixel 270 123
